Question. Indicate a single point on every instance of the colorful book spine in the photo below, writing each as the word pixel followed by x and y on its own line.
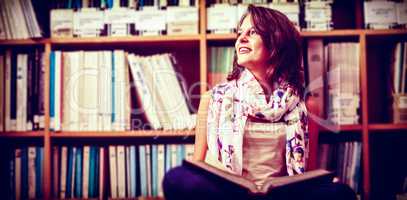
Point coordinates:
pixel 78 176
pixel 143 170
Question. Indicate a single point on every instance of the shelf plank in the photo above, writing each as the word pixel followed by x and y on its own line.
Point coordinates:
pixel 332 33
pixel 385 32
pixel 22 134
pixel 340 128
pixel 122 134
pixel 127 39
pixel 387 127
pixel 23 42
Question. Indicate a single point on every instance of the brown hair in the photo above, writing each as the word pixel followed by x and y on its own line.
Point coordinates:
pixel 283 41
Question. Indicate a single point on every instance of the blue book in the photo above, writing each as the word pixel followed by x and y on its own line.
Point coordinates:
pixel 109 3
pixel 167 157
pixel 133 172
pixel 154 170
pixel 91 184
pixel 69 170
pixel 24 173
pixel 180 154
pixel 38 171
pixel 52 88
pixel 96 179
pixel 78 173
pixel 143 170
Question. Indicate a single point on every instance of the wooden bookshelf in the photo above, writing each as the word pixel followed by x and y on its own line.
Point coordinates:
pixel 201 42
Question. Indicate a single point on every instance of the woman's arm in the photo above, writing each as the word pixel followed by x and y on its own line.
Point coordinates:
pixel 200 131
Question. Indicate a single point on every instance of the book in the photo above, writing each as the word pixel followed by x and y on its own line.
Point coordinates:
pixel 271 184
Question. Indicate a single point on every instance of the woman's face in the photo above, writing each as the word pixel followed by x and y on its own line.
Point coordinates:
pixel 250 50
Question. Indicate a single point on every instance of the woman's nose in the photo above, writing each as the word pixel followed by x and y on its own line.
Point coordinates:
pixel 242 37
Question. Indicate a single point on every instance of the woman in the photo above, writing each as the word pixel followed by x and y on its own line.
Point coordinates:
pixel 255 124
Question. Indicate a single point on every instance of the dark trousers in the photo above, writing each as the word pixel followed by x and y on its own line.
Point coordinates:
pixel 182 183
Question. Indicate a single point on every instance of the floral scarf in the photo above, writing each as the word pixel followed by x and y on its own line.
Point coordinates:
pixel 233 102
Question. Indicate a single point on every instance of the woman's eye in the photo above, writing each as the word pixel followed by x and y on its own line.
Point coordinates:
pixel 252 32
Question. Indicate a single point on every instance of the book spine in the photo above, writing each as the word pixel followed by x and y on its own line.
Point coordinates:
pixel 40 172
pixel 17 173
pixel 24 173
pixel 154 170
pixel 69 168
pixel 78 176
pixel 85 170
pixel 121 171
pixel 143 170
pixel 133 171
pixel 101 172
pixel 92 170
pixel 31 172
pixel 64 160
pixel 113 171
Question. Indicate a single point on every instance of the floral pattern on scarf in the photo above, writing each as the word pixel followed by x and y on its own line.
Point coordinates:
pixel 233 102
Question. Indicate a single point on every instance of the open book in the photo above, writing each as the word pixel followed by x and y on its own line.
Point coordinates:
pixel 271 184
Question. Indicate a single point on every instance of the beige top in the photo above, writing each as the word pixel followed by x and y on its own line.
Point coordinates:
pixel 264 151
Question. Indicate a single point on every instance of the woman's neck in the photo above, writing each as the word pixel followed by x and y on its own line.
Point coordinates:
pixel 261 77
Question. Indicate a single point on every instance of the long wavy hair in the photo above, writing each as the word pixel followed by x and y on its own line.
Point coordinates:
pixel 283 41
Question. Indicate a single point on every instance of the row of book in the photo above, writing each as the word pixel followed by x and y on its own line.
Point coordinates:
pixel 399 83
pixel 133 171
pixel 108 4
pixel 123 21
pixel 117 91
pixel 18 20
pixel 26 170
pixel 21 90
pixel 220 64
pixel 333 78
pixel 318 15
pixel 223 18
pixel 385 14
pixel 345 159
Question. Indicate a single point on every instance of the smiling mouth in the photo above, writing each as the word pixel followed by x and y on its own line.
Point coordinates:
pixel 244 50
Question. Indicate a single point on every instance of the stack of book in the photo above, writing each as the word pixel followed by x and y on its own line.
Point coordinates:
pixel 26 173
pixel 333 74
pixel 117 19
pixel 399 80
pixel 318 15
pixel 22 95
pixel 18 20
pixel 385 14
pixel 91 91
pixel 343 83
